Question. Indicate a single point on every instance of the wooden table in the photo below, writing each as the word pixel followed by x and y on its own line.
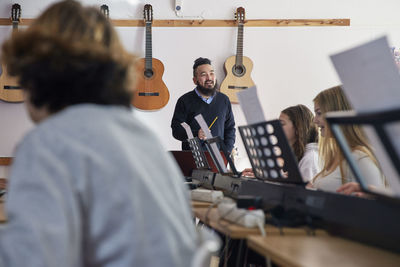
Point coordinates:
pixel 322 250
pixel 212 218
pixel 200 204
pixel 2 212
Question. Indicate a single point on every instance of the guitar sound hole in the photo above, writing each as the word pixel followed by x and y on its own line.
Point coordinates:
pixel 148 73
pixel 238 70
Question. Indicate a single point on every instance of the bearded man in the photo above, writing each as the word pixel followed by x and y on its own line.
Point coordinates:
pixel 206 100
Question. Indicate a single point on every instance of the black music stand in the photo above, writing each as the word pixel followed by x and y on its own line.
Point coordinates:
pixel 203 172
pixel 198 154
pixel 269 152
pixel 217 140
pixel 378 121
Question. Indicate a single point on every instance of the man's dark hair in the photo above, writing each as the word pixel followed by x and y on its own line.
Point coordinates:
pixel 198 62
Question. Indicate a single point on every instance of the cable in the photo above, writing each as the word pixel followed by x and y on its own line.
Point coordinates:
pixel 224 226
pixel 260 223
pixel 262 229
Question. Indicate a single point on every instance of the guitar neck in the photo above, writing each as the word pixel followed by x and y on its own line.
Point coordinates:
pixel 15 25
pixel 239 46
pixel 149 52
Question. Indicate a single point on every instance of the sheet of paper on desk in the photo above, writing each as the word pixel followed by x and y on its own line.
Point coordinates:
pixel 203 125
pixel 371 81
pixel 250 104
pixel 187 129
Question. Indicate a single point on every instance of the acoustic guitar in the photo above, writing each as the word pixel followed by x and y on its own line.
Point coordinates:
pixel 105 10
pixel 150 93
pixel 237 68
pixel 10 91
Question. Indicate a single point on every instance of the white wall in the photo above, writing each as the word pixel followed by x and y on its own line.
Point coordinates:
pixel 291 64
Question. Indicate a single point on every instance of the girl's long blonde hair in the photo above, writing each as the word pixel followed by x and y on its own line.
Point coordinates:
pixel 333 99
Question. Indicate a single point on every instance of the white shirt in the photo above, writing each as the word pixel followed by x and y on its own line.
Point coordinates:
pixel 308 165
pixel 369 170
pixel 91 186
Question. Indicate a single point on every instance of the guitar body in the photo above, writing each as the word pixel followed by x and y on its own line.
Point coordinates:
pixel 151 93
pixel 10 91
pixel 236 80
pixel 237 68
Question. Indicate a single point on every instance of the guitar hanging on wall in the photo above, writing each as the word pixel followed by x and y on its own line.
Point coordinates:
pixel 150 93
pixel 10 91
pixel 237 68
pixel 105 10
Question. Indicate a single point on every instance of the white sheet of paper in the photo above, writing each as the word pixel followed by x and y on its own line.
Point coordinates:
pixel 371 81
pixel 250 104
pixel 188 130
pixel 369 76
pixel 203 125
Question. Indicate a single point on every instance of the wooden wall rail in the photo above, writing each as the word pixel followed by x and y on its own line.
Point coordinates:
pixel 216 23
pixel 5 161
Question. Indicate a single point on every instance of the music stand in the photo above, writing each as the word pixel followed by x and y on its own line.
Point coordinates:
pixel 217 140
pixel 198 154
pixel 269 152
pixel 378 121
pixel 203 174
pixel 228 182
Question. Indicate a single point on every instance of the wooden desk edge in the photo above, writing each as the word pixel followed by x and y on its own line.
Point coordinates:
pixel 236 231
pixel 317 250
pixel 3 217
pixel 256 245
pixel 200 204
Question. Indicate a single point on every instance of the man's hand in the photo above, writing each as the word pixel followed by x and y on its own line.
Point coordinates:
pixel 201 135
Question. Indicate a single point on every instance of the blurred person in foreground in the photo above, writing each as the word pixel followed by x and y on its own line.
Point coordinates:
pixel 90 185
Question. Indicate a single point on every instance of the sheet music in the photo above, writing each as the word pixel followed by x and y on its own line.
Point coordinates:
pixel 250 104
pixel 188 130
pixel 203 125
pixel 369 76
pixel 371 81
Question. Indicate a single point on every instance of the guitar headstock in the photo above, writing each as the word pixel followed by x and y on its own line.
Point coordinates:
pixel 240 15
pixel 15 13
pixel 106 12
pixel 148 13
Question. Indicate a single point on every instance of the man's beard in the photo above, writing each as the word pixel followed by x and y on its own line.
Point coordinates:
pixel 207 91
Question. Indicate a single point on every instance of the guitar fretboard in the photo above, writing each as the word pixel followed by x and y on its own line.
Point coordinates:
pixel 15 25
pixel 149 52
pixel 239 46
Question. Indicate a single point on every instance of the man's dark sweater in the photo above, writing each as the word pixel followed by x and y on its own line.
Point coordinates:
pixel 190 105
